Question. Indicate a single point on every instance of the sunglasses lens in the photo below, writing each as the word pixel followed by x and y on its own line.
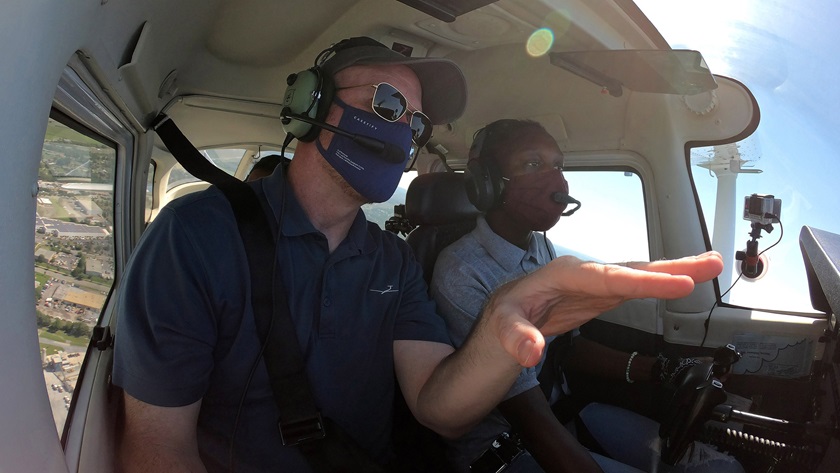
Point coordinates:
pixel 421 128
pixel 388 102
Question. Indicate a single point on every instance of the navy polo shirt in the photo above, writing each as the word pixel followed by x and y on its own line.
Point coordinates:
pixel 186 328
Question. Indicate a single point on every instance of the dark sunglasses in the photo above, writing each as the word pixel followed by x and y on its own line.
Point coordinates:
pixel 390 105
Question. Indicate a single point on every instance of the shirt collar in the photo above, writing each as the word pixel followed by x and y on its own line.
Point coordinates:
pixel 295 222
pixel 506 254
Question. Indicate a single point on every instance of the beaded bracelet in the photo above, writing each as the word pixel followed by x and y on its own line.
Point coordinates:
pixel 627 370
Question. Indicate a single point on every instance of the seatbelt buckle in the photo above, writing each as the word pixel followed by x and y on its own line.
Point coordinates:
pixel 501 453
pixel 295 433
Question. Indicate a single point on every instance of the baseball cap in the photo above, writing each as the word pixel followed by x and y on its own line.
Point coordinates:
pixel 443 84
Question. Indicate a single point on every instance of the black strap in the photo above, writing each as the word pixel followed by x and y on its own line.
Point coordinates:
pixel 298 417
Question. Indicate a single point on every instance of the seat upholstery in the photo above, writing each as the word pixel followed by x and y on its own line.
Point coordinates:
pixel 438 205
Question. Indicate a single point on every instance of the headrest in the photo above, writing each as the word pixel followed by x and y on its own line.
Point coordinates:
pixel 438 198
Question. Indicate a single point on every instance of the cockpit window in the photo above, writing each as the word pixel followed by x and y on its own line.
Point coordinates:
pixel 74 253
pixel 379 213
pixel 226 159
pixel 725 176
pixel 609 226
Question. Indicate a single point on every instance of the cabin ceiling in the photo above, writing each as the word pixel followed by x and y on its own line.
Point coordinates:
pixel 153 53
pixel 266 33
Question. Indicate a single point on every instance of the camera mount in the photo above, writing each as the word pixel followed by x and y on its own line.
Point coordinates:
pixel 751 265
pixel 762 211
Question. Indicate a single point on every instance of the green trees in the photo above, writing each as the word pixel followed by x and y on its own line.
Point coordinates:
pixel 53 325
pixel 80 268
pixel 43 319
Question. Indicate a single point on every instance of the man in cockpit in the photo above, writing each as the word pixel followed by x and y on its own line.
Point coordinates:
pixel 515 176
pixel 187 355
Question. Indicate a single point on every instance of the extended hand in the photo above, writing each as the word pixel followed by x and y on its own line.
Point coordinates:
pixel 568 292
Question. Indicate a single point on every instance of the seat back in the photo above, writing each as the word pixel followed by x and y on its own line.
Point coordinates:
pixel 438 205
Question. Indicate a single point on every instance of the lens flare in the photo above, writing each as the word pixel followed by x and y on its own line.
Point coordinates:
pixel 558 21
pixel 540 41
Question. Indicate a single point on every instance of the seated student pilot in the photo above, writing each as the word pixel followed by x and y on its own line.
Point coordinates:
pixel 264 167
pixel 197 396
pixel 515 174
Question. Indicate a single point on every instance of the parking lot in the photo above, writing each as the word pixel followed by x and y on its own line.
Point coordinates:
pixel 59 399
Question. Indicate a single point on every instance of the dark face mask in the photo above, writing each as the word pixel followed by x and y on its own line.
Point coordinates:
pixel 529 199
pixel 364 170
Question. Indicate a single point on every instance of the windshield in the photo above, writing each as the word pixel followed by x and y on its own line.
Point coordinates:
pixel 789 61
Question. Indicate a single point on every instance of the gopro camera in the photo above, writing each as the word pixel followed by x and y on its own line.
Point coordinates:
pixel 762 208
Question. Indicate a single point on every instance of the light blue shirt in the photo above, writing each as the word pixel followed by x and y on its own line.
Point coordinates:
pixel 466 273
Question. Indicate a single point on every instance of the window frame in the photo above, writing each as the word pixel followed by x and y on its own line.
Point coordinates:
pixel 84 106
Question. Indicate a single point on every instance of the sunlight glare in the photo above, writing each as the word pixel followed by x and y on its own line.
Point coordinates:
pixel 672 19
pixel 539 43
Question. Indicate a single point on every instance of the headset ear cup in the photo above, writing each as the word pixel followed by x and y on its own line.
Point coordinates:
pixel 479 185
pixel 322 106
pixel 300 99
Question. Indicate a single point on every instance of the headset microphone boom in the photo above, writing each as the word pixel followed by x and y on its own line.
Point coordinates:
pixel 388 151
pixel 562 198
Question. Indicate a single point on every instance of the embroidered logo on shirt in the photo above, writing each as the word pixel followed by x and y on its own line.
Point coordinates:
pixel 390 288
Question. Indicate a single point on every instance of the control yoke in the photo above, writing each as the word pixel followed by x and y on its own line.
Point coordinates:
pixel 701 397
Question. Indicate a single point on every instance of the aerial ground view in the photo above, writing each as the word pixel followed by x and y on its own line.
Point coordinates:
pixel 74 262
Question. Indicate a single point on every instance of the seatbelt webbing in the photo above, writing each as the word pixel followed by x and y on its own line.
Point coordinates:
pixel 298 417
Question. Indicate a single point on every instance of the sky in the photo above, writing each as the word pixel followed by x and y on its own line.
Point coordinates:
pixel 788 55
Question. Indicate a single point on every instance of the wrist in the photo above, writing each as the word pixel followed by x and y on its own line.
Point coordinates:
pixel 642 368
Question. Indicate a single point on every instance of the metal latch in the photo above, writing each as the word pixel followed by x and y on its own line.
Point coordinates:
pixel 102 338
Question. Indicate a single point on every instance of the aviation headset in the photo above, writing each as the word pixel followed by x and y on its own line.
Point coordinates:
pixel 483 180
pixel 309 93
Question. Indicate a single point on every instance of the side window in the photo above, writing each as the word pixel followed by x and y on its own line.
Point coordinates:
pixel 610 226
pixel 74 253
pixel 150 192
pixel 380 213
pixel 227 159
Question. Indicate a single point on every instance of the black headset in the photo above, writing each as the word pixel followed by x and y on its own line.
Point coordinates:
pixel 309 93
pixel 483 181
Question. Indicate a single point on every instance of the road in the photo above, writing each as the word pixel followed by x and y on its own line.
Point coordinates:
pixel 99 288
pixel 68 348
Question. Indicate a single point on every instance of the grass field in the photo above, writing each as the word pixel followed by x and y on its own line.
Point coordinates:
pixel 61 337
pixel 55 210
pixel 51 349
pixel 57 131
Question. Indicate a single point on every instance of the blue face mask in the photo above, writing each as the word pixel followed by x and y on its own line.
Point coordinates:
pixel 364 170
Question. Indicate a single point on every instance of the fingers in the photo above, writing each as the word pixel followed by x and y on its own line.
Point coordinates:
pixel 700 268
pixel 665 279
pixel 567 292
pixel 568 275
